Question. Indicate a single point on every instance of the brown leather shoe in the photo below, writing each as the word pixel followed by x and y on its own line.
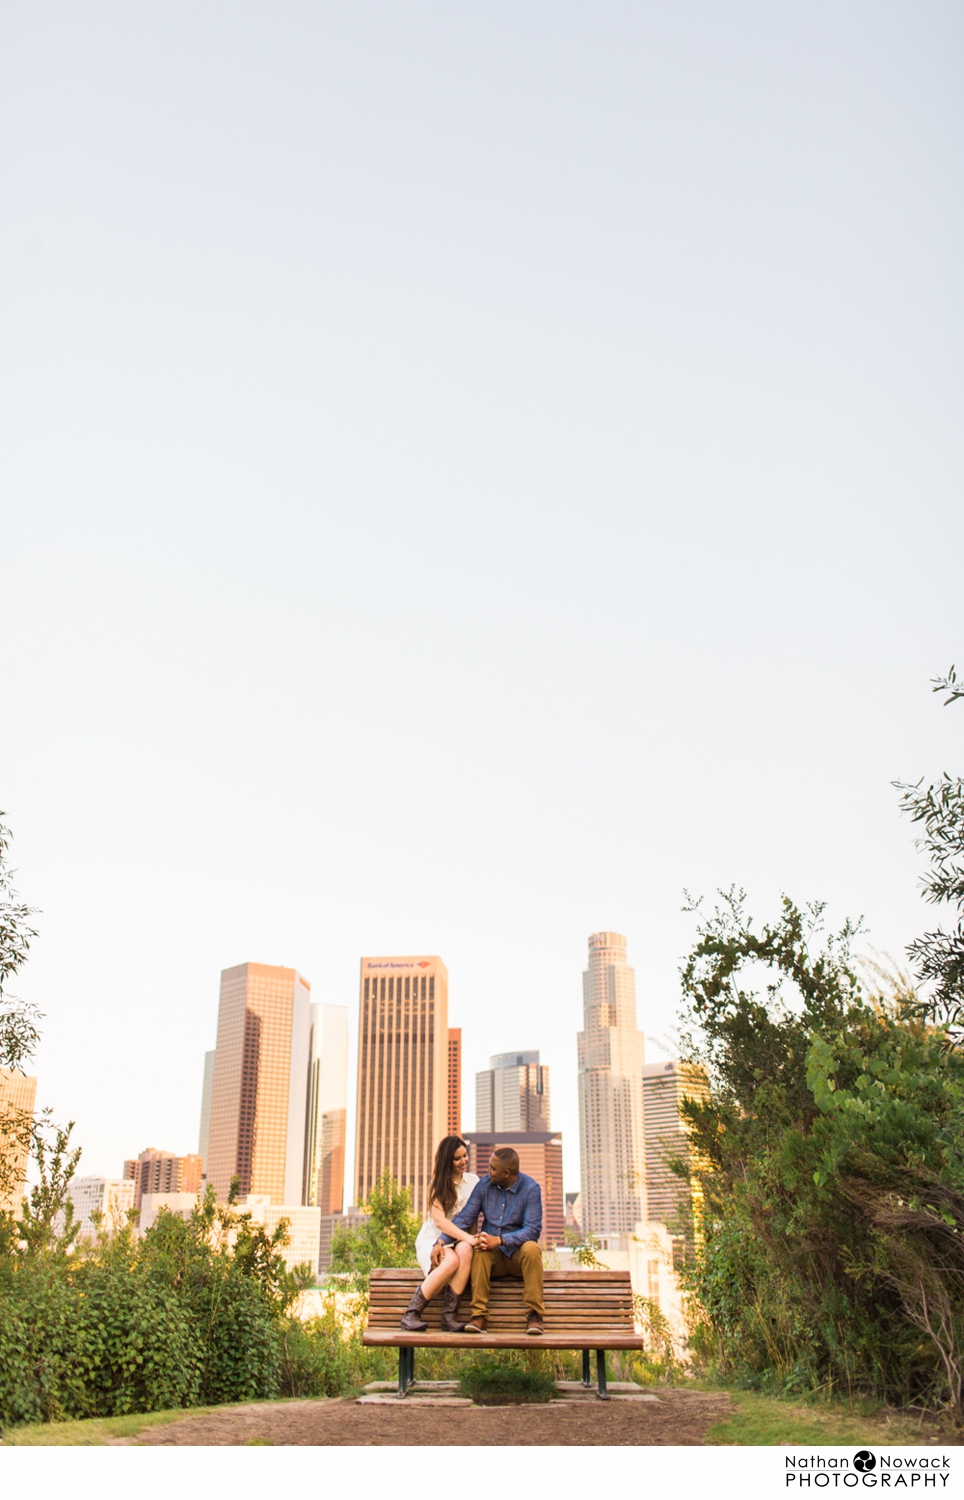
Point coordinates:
pixel 477 1325
pixel 534 1323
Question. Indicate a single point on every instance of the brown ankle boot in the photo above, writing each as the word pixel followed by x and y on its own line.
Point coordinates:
pixel 411 1320
pixel 450 1308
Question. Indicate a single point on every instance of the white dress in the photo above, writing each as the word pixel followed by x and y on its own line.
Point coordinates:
pixel 430 1231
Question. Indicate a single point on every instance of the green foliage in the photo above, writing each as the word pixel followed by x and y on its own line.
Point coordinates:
pixel 194 1312
pixel 938 956
pixel 18 1031
pixel 828 1252
pixel 385 1238
pixel 662 1356
pixel 584 1249
pixel 320 1359
pixel 493 1380
pixel 18 1028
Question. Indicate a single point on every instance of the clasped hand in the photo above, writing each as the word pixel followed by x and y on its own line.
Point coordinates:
pixel 477 1241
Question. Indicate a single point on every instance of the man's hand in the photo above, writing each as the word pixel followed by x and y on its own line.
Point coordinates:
pixel 489 1241
pixel 435 1259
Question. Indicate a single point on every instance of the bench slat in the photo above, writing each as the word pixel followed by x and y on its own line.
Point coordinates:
pixel 601 1338
pixel 558 1278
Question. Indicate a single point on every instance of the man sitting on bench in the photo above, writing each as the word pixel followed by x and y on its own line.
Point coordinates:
pixel 511 1207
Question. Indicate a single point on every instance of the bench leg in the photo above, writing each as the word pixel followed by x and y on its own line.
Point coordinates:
pixel 586 1369
pixel 406 1369
pixel 601 1375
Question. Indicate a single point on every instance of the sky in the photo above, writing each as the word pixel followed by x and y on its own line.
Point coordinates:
pixel 470 474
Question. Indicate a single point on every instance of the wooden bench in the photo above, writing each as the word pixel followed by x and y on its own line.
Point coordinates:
pixel 586 1310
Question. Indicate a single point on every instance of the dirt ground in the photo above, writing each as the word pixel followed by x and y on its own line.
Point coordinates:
pixel 677 1419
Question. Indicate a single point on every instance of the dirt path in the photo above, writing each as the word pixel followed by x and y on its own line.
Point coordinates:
pixel 676 1419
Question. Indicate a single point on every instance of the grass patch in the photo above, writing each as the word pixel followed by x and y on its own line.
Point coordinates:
pixel 493 1382
pixel 95 1432
pixel 764 1422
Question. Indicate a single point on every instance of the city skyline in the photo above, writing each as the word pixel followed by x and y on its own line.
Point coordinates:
pixel 512 1094
pixel 515 1085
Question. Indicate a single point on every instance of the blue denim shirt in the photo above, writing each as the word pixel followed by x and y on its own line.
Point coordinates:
pixel 514 1213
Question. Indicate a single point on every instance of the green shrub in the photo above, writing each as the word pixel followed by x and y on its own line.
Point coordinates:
pixel 319 1360
pixel 39 1376
pixel 495 1381
pixel 194 1313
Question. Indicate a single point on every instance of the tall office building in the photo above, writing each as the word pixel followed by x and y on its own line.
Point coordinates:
pixel 611 1120
pixel 403 1041
pixel 665 1086
pixel 455 1081
pixel 324 1182
pixel 161 1172
pixel 512 1093
pixel 18 1095
pixel 259 1085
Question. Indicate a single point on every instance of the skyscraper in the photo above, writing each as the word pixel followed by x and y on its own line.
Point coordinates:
pixel 665 1085
pixel 512 1093
pixel 403 1041
pixel 455 1080
pixel 324 1184
pixel 259 1085
pixel 611 1120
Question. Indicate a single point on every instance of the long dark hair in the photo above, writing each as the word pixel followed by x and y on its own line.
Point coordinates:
pixel 443 1190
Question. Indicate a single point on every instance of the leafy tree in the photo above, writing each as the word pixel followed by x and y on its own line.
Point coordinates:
pixel 830 1163
pixel 938 956
pixel 18 1028
pixel 18 1031
pixel 386 1237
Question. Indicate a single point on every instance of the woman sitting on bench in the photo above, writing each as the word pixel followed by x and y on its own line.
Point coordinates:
pixel 448 1194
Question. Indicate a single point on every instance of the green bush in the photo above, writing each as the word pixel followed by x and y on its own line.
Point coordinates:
pixel 39 1377
pixel 502 1381
pixel 193 1313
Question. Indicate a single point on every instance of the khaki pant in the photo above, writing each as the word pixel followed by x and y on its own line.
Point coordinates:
pixel 525 1262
